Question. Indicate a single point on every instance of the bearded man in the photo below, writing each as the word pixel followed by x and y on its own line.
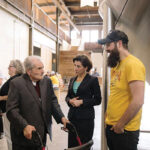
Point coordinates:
pixel 123 114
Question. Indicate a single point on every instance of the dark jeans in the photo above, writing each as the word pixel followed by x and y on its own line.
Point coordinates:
pixel 84 129
pixel 125 141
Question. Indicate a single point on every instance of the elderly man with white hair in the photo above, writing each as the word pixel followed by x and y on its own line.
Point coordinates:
pixel 31 105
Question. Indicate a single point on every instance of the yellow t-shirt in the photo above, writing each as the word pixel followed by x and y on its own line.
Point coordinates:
pixel 129 69
pixel 55 80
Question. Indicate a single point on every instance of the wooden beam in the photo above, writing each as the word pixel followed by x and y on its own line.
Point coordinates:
pixel 64 37
pixel 67 10
pixel 57 39
pixel 62 19
pixel 65 14
pixel 72 4
pixel 45 4
pixel 88 19
pixel 85 13
pixel 51 13
pixel 31 28
pixel 89 23
pixel 79 13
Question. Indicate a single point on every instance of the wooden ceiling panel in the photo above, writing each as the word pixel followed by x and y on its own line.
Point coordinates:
pixel 79 14
pixel 44 3
pixel 40 1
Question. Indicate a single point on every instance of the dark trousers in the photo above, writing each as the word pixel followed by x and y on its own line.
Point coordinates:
pixel 1 124
pixel 125 141
pixel 84 129
pixel 19 147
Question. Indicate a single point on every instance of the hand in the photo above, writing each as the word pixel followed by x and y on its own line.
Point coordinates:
pixel 64 121
pixel 28 131
pixel 77 103
pixel 71 101
pixel 3 98
pixel 118 128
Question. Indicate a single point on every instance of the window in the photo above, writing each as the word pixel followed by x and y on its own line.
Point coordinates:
pixel 90 35
pixel 36 51
pixel 94 36
pixel 86 36
pixel 73 34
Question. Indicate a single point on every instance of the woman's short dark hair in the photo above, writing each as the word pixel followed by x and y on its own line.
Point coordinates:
pixel 85 61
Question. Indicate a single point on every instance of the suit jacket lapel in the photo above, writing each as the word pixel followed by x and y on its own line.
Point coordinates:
pixel 32 89
pixel 80 86
pixel 82 83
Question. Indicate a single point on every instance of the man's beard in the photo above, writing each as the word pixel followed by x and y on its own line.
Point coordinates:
pixel 113 58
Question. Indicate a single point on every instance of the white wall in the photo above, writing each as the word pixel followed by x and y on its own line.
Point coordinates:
pixel 13 40
pixel 47 45
pixel 42 39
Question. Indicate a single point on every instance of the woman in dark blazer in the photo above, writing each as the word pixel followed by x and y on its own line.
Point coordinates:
pixel 83 94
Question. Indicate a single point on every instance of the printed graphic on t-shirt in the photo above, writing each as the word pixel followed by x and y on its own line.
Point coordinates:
pixel 116 75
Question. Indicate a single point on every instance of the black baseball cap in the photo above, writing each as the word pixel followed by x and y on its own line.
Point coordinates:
pixel 114 36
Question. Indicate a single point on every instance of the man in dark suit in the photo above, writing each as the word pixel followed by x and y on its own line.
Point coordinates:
pixel 31 105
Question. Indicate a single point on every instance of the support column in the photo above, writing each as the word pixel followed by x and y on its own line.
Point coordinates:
pixel 31 29
pixel 105 86
pixel 104 81
pixel 57 39
pixel 108 24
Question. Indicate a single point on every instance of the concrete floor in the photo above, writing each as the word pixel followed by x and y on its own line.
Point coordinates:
pixel 59 141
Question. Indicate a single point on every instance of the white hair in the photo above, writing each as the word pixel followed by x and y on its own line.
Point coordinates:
pixel 29 62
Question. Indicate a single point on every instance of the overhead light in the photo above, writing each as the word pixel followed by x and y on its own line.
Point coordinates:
pixel 88 3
